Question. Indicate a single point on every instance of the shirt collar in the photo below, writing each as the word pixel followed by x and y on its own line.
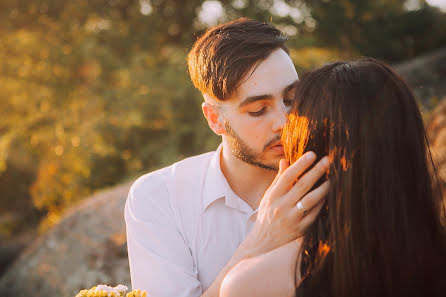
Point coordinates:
pixel 216 186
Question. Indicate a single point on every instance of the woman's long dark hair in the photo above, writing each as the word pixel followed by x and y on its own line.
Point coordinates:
pixel 381 231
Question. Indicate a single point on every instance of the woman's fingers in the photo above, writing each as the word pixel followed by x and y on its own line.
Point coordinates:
pixel 307 181
pixel 290 174
pixel 283 165
pixel 309 218
pixel 312 199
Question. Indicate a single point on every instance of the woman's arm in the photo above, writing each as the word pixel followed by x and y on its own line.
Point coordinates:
pixel 269 275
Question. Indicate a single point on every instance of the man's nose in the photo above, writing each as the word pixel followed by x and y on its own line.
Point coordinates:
pixel 280 120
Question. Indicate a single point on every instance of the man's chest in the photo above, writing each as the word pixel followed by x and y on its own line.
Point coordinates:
pixel 219 233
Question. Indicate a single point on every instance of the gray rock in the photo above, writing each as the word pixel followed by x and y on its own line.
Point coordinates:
pixel 426 75
pixel 86 248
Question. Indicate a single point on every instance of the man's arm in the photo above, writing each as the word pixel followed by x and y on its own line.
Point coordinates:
pixel 160 260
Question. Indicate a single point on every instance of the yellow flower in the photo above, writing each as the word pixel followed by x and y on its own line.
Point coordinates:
pixel 137 293
pixel 107 291
pixel 82 293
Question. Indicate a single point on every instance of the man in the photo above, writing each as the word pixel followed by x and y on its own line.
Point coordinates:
pixel 190 223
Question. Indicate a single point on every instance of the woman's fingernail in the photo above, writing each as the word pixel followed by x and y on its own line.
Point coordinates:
pixel 310 156
pixel 325 161
pixel 281 164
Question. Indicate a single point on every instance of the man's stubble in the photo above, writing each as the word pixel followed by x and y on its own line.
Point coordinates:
pixel 242 151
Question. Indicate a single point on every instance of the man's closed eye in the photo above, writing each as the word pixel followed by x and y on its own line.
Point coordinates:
pixel 257 113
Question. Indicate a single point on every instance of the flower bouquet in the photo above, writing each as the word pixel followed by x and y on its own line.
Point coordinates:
pixel 107 291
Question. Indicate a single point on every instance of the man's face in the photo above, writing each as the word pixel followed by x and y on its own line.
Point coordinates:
pixel 256 112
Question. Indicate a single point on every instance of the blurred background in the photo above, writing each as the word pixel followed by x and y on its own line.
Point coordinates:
pixel 95 93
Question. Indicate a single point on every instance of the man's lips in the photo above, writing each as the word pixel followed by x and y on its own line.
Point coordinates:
pixel 278 148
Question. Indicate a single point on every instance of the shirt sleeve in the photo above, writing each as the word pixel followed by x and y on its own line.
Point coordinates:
pixel 160 260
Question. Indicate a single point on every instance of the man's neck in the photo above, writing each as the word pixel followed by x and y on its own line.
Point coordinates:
pixel 249 182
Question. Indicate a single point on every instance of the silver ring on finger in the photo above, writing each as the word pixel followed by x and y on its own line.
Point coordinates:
pixel 301 208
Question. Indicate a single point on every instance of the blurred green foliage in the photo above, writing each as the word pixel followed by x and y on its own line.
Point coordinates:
pixel 94 92
pixel 382 29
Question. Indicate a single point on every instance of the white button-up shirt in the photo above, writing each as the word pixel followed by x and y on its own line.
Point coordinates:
pixel 184 223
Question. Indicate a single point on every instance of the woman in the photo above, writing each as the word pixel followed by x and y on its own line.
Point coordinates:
pixel 381 232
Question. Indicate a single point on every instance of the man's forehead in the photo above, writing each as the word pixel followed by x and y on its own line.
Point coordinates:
pixel 268 77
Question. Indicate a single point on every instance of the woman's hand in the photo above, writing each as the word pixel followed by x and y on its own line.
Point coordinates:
pixel 279 219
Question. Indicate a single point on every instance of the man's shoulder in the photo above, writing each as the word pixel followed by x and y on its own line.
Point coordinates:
pixel 170 192
pixel 189 171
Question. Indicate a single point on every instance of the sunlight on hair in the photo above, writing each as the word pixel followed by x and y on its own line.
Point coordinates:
pixel 323 249
pixel 297 135
pixel 340 153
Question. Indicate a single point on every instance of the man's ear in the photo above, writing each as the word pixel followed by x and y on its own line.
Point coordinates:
pixel 214 117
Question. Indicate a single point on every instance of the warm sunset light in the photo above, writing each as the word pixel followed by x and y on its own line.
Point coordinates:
pixel 140 141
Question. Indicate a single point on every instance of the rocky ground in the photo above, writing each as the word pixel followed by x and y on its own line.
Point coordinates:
pixel 86 248
pixel 427 77
pixel 89 245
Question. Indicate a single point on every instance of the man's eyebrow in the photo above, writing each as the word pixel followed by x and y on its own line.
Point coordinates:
pixel 290 87
pixel 252 99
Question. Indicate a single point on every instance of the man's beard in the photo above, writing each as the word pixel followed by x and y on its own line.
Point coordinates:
pixel 242 151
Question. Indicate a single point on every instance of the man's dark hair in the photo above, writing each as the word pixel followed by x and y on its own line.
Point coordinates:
pixel 224 54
